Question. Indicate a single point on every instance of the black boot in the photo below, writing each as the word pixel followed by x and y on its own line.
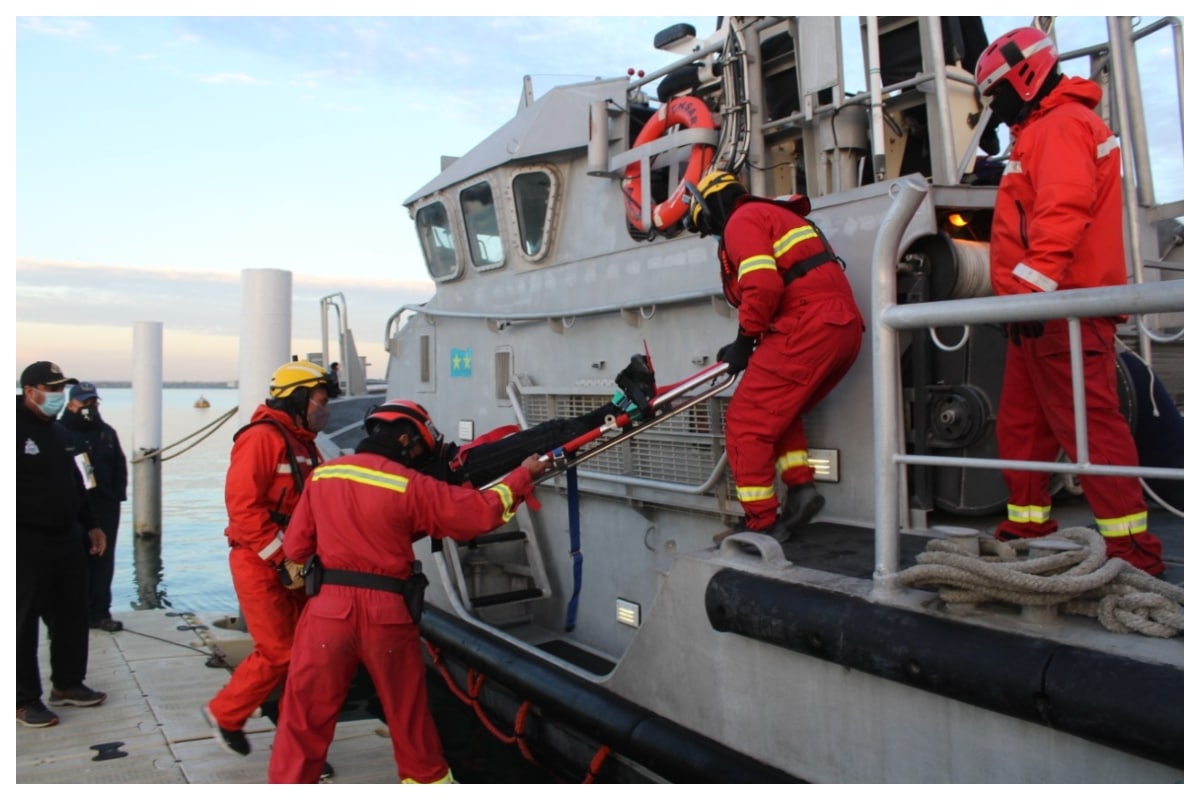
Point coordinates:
pixel 803 503
pixel 637 385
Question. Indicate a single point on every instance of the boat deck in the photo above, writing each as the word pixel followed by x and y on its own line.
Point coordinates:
pixel 150 729
pixel 850 551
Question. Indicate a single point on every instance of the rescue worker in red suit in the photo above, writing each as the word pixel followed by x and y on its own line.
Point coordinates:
pixel 360 515
pixel 1058 225
pixel 799 332
pixel 270 460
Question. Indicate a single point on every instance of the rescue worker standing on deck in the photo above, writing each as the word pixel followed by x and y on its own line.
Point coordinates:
pixel 360 515
pixel 799 332
pixel 1058 225
pixel 271 458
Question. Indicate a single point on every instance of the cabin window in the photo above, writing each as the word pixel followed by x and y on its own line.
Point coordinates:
pixel 437 241
pixel 483 226
pixel 531 193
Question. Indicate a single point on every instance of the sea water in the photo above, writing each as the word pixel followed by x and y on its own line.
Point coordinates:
pixel 186 568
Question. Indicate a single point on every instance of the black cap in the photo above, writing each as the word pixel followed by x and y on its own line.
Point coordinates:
pixel 44 373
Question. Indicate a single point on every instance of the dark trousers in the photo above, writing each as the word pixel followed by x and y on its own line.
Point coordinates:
pixel 52 588
pixel 487 462
pixel 100 568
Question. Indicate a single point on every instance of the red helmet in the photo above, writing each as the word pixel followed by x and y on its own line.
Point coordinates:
pixel 1024 57
pixel 397 410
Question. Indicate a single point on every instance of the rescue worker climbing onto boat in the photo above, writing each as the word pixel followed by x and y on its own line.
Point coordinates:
pixel 799 332
pixel 271 458
pixel 359 516
pixel 1058 225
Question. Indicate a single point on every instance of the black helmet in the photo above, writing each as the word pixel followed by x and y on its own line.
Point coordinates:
pixel 712 202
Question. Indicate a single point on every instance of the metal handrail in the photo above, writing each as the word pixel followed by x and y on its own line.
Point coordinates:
pixel 586 311
pixel 1072 305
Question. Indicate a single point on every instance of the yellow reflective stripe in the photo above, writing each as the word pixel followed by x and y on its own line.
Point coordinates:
pixel 749 494
pixel 792 238
pixel 1028 514
pixel 370 477
pixel 447 778
pixel 1122 526
pixel 796 458
pixel 754 263
pixel 506 498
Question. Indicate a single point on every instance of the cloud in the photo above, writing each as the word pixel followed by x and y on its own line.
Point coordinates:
pixel 233 77
pixel 58 26
pixel 87 313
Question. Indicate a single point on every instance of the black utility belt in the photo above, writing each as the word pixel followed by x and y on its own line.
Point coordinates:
pixel 364 580
pixel 412 589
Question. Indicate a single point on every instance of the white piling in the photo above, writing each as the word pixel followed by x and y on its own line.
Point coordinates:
pixel 147 428
pixel 266 334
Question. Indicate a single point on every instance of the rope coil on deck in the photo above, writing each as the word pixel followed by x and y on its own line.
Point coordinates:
pixel 1080 581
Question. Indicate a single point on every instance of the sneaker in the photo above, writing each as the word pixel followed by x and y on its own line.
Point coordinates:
pixel 230 741
pixel 803 503
pixel 76 696
pixel 108 624
pixel 34 714
pixel 326 771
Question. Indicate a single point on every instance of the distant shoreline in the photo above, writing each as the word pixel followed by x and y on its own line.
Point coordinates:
pixel 170 384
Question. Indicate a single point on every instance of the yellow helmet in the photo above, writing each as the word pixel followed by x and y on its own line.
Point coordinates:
pixel 712 201
pixel 296 374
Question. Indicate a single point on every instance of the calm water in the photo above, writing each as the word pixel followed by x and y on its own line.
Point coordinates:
pixel 191 570
pixel 188 569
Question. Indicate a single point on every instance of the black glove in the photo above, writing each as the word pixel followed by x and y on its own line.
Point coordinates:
pixel 1025 330
pixel 737 353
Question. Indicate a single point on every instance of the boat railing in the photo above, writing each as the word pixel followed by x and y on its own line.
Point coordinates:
pixel 891 318
pixel 565 317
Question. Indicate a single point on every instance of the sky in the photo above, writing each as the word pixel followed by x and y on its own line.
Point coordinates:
pixel 159 157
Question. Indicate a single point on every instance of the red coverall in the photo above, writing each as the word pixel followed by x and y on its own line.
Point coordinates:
pixel 1058 225
pixel 362 513
pixel 809 334
pixel 260 490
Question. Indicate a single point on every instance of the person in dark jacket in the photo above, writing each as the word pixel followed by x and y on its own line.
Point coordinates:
pixel 97 442
pixel 51 563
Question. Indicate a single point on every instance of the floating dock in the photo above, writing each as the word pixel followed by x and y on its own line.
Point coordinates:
pixel 150 729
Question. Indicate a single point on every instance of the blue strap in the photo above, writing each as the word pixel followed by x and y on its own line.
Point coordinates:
pixel 576 554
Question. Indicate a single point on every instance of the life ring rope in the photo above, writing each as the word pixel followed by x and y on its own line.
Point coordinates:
pixel 685 112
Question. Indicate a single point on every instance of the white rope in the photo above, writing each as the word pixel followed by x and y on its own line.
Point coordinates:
pixel 1081 581
pixel 203 433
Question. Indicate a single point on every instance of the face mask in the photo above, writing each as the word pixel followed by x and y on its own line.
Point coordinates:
pixel 90 414
pixel 317 418
pixel 52 403
pixel 1007 105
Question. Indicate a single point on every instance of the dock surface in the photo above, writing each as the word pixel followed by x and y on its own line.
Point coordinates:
pixel 150 729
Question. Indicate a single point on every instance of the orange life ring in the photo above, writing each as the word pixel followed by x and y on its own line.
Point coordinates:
pixel 688 112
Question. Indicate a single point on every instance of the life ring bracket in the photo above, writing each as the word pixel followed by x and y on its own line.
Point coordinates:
pixel 685 137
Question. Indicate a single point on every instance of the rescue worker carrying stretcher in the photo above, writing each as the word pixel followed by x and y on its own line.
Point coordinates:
pixel 799 332
pixel 355 526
